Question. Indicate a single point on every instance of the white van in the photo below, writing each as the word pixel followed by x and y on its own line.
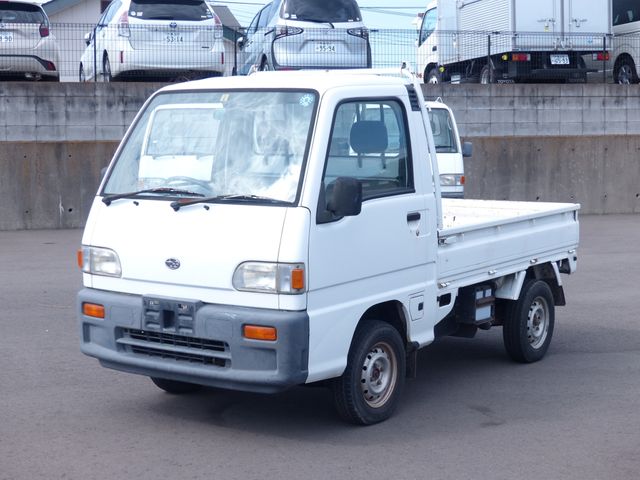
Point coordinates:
pixel 449 150
pixel 302 34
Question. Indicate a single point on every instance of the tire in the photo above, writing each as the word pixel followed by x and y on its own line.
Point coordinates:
pixel 529 322
pixel 264 65
pixel 433 77
pixel 106 70
pixel 485 75
pixel 174 387
pixel 81 75
pixel 626 72
pixel 370 387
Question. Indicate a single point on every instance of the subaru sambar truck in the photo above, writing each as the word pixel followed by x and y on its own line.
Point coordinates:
pixel 283 229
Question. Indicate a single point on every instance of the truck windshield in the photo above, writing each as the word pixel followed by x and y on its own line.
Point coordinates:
pixel 231 143
pixel 442 128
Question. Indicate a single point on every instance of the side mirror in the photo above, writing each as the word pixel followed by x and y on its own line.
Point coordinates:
pixel 345 198
pixel 467 149
pixel 87 38
pixel 240 42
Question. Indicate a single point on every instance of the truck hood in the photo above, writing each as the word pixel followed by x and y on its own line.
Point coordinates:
pixel 209 242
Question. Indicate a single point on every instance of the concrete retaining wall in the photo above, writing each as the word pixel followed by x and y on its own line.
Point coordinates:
pixel 576 143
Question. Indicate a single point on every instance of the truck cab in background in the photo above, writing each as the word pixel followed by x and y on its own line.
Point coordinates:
pixel 506 41
pixel 450 151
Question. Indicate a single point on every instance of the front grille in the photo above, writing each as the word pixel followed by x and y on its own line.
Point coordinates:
pixel 176 347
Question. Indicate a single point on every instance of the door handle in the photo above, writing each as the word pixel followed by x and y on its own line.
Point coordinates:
pixel 413 217
pixel 435 48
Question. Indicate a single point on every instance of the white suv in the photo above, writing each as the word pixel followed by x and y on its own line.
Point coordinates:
pixel 27 47
pixel 154 39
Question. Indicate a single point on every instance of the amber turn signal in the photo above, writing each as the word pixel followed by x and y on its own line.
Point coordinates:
pixel 93 310
pixel 256 332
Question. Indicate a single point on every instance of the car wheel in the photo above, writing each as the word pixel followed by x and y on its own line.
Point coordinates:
pixel 81 75
pixel 626 72
pixel 433 76
pixel 529 322
pixel 369 389
pixel 106 70
pixel 174 387
pixel 264 65
pixel 485 75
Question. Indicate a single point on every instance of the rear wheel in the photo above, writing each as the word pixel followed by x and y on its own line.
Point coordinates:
pixel 264 65
pixel 81 75
pixel 174 387
pixel 369 389
pixel 485 75
pixel 529 322
pixel 626 72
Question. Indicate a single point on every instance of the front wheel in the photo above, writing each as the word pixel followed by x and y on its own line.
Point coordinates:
pixel 626 73
pixel 529 322
pixel 433 76
pixel 106 70
pixel 369 389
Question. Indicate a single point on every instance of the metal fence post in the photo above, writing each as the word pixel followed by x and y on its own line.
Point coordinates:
pixel 95 54
pixel 489 58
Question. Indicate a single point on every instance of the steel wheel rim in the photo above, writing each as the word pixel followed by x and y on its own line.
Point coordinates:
pixel 433 80
pixel 107 70
pixel 538 322
pixel 379 375
pixel 624 75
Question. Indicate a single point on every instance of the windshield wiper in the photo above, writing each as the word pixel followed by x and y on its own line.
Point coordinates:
pixel 315 20
pixel 175 191
pixel 223 198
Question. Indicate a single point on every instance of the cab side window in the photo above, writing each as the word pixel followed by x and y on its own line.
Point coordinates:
pixel 369 142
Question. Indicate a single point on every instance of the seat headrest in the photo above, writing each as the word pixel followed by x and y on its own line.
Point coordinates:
pixel 369 136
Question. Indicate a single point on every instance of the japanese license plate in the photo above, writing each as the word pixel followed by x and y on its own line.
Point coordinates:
pixel 6 37
pixel 325 48
pixel 560 59
pixel 172 38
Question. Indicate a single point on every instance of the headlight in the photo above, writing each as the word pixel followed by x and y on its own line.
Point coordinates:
pixel 100 261
pixel 267 277
pixel 449 180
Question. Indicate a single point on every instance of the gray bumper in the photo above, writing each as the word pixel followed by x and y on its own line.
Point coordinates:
pixel 195 342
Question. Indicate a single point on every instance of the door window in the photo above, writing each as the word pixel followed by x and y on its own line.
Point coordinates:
pixel 429 22
pixel 369 142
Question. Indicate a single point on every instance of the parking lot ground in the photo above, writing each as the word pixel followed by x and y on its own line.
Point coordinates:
pixel 470 413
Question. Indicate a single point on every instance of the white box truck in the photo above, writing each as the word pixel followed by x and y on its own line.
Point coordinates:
pixel 510 40
pixel 280 229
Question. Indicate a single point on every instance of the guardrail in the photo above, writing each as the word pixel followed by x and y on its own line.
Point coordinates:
pixel 86 52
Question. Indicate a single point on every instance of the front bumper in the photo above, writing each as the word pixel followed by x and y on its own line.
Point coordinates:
pixel 195 342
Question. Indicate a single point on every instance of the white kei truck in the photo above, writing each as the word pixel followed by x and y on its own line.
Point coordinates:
pixel 287 228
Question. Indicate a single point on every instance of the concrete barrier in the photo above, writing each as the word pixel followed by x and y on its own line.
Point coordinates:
pixel 574 143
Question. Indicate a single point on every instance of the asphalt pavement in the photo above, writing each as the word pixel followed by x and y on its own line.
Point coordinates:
pixel 471 413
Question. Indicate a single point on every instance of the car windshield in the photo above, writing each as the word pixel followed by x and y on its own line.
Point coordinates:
pixel 189 10
pixel 232 143
pixel 442 128
pixel 11 12
pixel 330 11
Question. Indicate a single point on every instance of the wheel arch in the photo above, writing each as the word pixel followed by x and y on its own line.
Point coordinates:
pixel 391 312
pixel 548 272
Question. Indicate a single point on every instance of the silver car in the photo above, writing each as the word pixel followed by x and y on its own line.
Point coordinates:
pixel 304 34
pixel 27 47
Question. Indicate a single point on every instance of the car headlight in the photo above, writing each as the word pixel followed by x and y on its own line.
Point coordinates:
pixel 266 277
pixel 100 261
pixel 450 180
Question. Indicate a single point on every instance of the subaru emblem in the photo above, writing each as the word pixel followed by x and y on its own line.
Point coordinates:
pixel 172 263
pixel 173 24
